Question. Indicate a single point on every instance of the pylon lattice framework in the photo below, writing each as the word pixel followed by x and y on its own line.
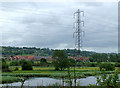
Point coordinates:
pixel 79 33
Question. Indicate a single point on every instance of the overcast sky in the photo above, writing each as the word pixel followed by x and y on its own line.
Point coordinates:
pixel 50 25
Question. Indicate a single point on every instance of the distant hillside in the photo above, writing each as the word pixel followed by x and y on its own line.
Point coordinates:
pixel 25 51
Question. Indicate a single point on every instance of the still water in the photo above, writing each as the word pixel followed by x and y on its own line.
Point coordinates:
pixel 46 81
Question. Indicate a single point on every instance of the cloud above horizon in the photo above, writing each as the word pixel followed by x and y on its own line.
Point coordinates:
pixel 50 25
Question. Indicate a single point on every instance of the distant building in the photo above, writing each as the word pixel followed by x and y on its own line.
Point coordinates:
pixel 23 57
pixel 83 59
pixel 48 58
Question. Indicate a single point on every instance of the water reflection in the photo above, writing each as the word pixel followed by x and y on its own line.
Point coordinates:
pixel 46 81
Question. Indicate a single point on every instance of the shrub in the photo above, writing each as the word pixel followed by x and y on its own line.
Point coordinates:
pixel 26 65
pixel 21 61
pixel 43 60
pixel 3 60
pixel 118 60
pixel 5 67
pixel 107 66
pixel 16 68
pixel 117 64
pixel 93 64
pixel 14 63
pixel 72 62
pixel 109 81
pixel 31 61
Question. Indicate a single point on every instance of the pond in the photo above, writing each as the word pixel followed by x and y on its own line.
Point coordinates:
pixel 46 81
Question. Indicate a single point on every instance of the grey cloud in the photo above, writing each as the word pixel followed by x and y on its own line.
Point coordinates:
pixel 54 28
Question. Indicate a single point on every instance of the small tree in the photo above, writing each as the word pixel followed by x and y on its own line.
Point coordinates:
pixel 60 59
pixel 43 60
pixel 5 67
pixel 91 59
pixel 21 61
pixel 14 63
pixel 3 60
pixel 72 62
pixel 118 60
pixel 26 65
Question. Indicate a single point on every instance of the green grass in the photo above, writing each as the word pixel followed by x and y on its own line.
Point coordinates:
pixel 9 79
pixel 52 68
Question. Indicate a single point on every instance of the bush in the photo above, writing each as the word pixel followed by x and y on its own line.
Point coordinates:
pixel 3 60
pixel 43 60
pixel 31 61
pixel 5 67
pixel 14 63
pixel 16 69
pixel 72 62
pixel 21 61
pixel 107 66
pixel 93 64
pixel 117 64
pixel 118 60
pixel 26 65
pixel 108 81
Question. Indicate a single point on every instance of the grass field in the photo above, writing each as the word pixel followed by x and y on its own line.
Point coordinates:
pixel 52 68
pixel 37 62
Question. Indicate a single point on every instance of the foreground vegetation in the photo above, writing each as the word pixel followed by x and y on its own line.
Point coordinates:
pixel 8 79
pixel 50 72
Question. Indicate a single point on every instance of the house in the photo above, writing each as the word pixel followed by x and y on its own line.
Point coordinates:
pixel 23 57
pixel 48 58
pixel 83 59
pixel 37 58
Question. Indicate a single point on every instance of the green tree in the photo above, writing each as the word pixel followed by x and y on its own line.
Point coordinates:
pixel 104 57
pixel 3 60
pixel 72 61
pixel 5 66
pixel 14 63
pixel 26 65
pixel 60 59
pixel 96 57
pixel 43 60
pixel 118 60
pixel 91 59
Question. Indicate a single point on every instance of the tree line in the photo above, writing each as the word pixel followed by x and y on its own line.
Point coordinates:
pixel 104 57
pixel 12 51
pixel 94 57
